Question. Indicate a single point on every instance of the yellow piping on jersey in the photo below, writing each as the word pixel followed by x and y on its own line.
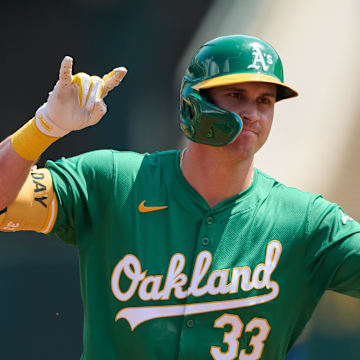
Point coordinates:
pixel 52 214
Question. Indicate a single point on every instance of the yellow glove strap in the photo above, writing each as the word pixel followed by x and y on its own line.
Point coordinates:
pixel 29 142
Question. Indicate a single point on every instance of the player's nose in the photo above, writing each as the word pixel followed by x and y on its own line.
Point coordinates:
pixel 249 112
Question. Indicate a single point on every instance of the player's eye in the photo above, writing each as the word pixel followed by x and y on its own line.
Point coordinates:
pixel 236 95
pixel 264 100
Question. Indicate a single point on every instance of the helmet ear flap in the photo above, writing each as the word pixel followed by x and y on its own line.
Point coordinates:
pixel 205 123
pixel 188 113
pixel 186 110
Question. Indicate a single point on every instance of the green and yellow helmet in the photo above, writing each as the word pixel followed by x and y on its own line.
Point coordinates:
pixel 224 61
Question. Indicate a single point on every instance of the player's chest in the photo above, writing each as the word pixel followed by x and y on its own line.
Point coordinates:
pixel 175 268
pixel 174 255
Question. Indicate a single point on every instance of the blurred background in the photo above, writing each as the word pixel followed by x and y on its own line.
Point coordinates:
pixel 314 143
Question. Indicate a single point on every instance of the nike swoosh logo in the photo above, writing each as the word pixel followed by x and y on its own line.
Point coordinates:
pixel 145 209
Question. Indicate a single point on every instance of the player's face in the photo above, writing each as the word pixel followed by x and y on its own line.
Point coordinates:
pixel 254 103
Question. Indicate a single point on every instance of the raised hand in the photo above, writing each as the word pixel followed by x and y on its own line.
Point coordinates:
pixel 76 101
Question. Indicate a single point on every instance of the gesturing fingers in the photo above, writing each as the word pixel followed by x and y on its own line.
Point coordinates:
pixel 65 74
pixel 113 79
pixel 83 83
pixel 95 91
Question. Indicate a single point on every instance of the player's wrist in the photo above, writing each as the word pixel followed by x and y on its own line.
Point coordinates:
pixel 29 142
pixel 45 124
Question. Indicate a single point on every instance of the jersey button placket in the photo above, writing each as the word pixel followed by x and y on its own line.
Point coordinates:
pixel 205 241
pixel 205 237
pixel 210 220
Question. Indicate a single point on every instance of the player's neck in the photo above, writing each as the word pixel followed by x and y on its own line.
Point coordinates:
pixel 215 178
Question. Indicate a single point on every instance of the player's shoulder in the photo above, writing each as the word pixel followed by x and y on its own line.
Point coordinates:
pixel 286 193
pixel 129 165
pixel 128 160
pixel 90 167
pixel 89 162
pixel 293 200
pixel 89 159
pixel 151 158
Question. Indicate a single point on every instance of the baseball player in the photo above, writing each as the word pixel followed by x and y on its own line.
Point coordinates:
pixel 184 254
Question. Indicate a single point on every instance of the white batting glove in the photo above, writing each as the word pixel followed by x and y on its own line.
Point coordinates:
pixel 76 101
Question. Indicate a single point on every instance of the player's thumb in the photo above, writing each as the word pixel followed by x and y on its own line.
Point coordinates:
pixel 113 79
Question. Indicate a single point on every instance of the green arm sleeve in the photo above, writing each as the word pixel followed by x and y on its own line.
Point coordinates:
pixel 333 254
pixel 82 185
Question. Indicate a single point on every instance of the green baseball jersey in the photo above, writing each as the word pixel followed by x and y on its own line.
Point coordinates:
pixel 163 276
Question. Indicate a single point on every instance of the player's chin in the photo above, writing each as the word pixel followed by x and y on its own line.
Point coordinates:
pixel 247 144
pixel 246 139
pixel 242 150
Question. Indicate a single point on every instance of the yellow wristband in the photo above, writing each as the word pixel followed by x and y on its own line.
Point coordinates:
pixel 29 142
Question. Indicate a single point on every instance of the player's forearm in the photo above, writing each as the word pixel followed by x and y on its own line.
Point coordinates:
pixel 13 172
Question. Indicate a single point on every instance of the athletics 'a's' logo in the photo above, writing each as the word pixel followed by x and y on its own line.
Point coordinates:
pixel 260 59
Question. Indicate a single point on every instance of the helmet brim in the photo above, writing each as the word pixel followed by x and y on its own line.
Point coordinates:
pixel 284 91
